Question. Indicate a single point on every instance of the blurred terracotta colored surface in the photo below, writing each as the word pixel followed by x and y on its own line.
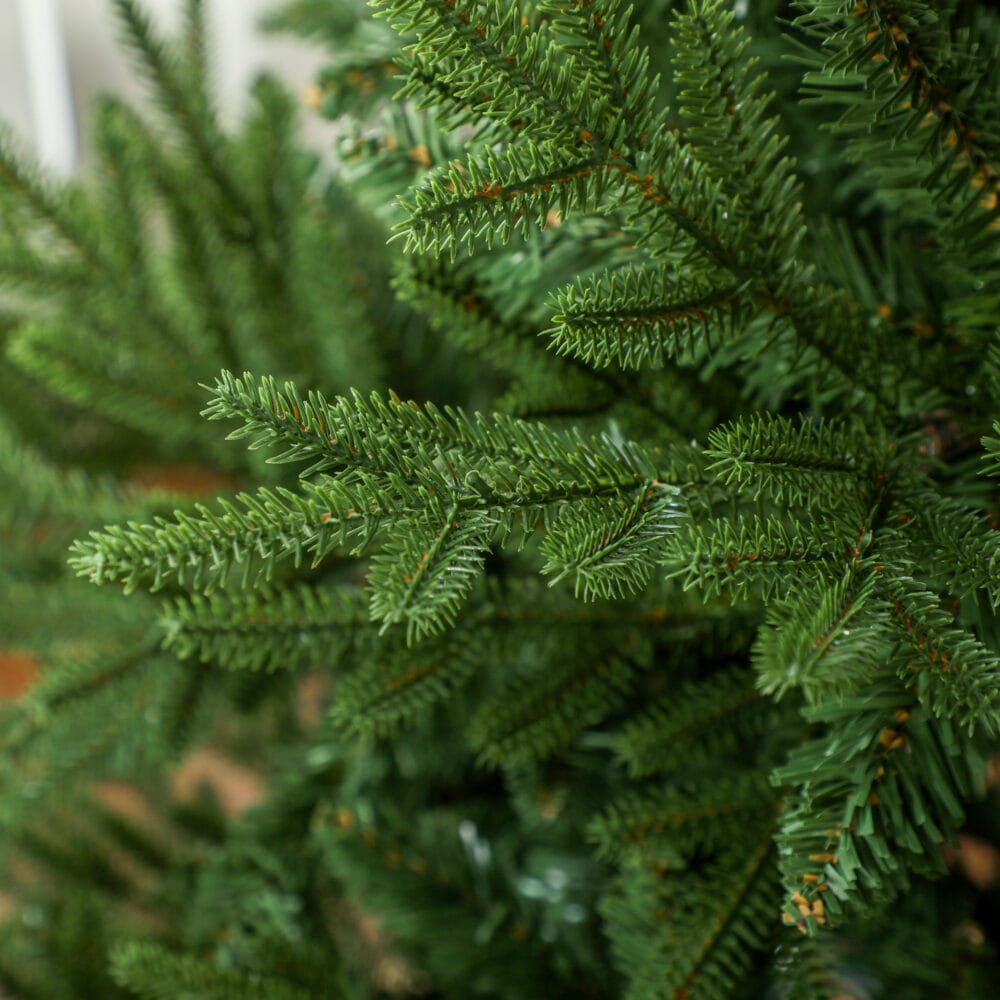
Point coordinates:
pixel 978 860
pixel 310 699
pixel 237 787
pixel 17 672
pixel 125 800
pixel 993 772
pixel 388 970
pixel 191 480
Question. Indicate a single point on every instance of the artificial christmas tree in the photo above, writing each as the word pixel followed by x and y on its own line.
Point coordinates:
pixel 657 634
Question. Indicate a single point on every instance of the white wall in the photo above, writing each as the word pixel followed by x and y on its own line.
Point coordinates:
pixel 97 63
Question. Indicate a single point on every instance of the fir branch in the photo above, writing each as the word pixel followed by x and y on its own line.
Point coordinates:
pixel 72 681
pixel 958 545
pixel 752 555
pixel 491 197
pixel 889 702
pixel 481 461
pixel 155 973
pixel 724 112
pixel 533 718
pixel 827 638
pixel 86 365
pixel 604 47
pixel 47 489
pixel 610 548
pixel 958 676
pixel 737 928
pixel 396 462
pixel 877 793
pixel 83 723
pixel 386 693
pixel 60 211
pixel 254 531
pixel 509 189
pixel 639 318
pixel 673 823
pixel 911 71
pixel 694 933
pixel 792 462
pixel 266 629
pixel 126 208
pixel 427 569
pixel 485 54
pixel 705 723
pixel 673 203
pixel 198 243
pixel 186 102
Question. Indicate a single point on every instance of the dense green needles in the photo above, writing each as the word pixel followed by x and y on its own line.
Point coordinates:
pixel 602 585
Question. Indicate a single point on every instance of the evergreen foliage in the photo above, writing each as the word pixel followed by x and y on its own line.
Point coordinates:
pixel 659 652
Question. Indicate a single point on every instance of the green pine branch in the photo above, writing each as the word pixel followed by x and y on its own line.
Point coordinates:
pixel 610 548
pixel 533 718
pixel 724 113
pixel 703 724
pixel 875 797
pixel 154 973
pixel 486 55
pixel 794 463
pixel 674 823
pixel 957 675
pixel 266 629
pixel 384 694
pixel 184 98
pixel 754 555
pixel 605 47
pixel 427 569
pixel 644 318
pixel 826 638
pixel 695 933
